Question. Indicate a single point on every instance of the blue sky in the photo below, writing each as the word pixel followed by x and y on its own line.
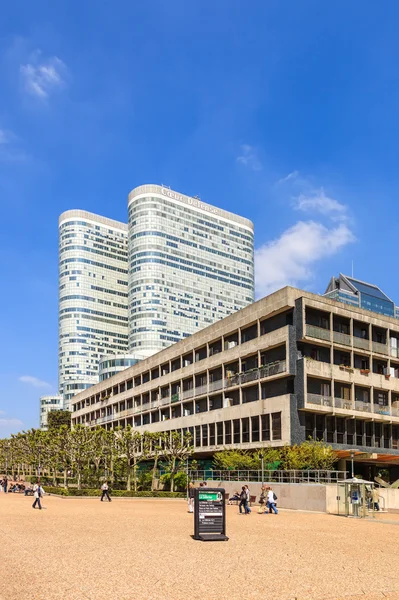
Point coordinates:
pixel 286 113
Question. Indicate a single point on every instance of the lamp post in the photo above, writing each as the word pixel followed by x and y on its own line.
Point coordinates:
pixel 262 462
pixel 352 455
pixel 7 447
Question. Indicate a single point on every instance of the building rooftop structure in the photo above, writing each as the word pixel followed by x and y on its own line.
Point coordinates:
pixel 360 293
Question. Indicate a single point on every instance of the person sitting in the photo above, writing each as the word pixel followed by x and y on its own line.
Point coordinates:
pixel 234 498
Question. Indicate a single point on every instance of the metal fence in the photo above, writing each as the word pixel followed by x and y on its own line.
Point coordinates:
pixel 270 476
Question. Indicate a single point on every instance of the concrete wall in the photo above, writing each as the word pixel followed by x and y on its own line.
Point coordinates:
pixel 296 496
pixel 306 496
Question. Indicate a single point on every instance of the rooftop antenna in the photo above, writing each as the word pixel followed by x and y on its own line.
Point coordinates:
pixel 352 269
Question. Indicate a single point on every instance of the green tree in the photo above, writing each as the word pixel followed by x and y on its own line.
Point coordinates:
pixel 57 418
pixel 79 449
pixel 131 450
pixel 177 449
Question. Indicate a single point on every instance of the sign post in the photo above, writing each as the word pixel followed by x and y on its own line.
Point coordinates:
pixel 209 515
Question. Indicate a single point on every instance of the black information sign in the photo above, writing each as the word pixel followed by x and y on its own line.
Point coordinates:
pixel 209 514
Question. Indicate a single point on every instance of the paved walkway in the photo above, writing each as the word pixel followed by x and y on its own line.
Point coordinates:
pixel 142 550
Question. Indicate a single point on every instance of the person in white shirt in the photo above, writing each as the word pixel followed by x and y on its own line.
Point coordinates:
pixel 38 493
pixel 105 492
pixel 271 501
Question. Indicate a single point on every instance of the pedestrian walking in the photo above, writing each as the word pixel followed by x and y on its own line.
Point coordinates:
pixel 38 493
pixel 243 500
pixel 248 508
pixel 375 496
pixel 190 497
pixel 105 492
pixel 271 501
pixel 5 484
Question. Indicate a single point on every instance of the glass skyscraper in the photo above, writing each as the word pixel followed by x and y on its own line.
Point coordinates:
pixel 93 284
pixel 179 266
pixel 190 264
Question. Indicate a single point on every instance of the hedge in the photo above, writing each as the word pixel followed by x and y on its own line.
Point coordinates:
pixel 114 493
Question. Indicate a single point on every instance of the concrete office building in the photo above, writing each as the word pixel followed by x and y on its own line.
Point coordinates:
pixel 48 404
pixel 289 367
pixel 190 264
pixel 93 293
pixel 359 293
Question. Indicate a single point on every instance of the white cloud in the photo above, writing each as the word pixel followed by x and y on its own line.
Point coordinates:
pixel 43 76
pixel 10 423
pixel 317 201
pixel 291 176
pixel 249 158
pixel 2 412
pixel 288 259
pixel 34 381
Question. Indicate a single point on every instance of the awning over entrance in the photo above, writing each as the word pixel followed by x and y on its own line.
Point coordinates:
pixel 369 457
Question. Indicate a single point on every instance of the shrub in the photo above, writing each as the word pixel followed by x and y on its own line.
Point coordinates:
pixel 114 493
pixel 180 480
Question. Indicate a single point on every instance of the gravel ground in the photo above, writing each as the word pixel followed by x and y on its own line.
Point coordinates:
pixel 141 549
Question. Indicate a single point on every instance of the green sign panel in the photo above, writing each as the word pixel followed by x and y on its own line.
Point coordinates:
pixel 209 496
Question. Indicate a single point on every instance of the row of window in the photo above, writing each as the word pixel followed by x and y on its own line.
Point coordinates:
pixel 179 240
pixel 351 432
pixel 188 270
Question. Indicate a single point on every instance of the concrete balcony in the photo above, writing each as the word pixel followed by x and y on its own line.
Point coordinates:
pixel 363 406
pixel 345 404
pixel 361 343
pixel 318 332
pixel 381 410
pixel 187 394
pixel 274 368
pixel 214 385
pixel 202 390
pixel 105 419
pixel 319 400
pixel 342 338
pixel 164 401
pixel 380 348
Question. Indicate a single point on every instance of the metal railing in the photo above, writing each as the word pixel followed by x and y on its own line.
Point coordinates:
pixel 270 476
pixel 318 332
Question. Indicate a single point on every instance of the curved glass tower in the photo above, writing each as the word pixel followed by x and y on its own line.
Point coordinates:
pixel 190 264
pixel 93 310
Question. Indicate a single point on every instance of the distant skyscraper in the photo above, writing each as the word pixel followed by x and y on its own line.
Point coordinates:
pixel 93 297
pixel 359 293
pixel 190 264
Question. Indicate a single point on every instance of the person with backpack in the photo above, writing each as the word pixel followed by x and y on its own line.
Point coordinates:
pixel 243 500
pixel 38 493
pixel 271 501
